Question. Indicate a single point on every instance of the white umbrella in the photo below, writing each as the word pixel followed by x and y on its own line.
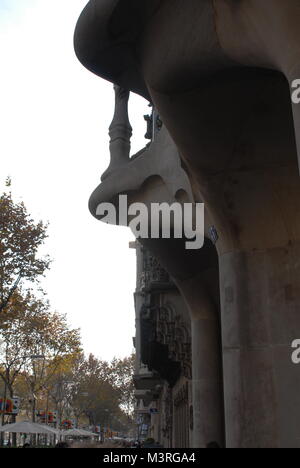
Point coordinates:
pixel 26 427
pixel 49 428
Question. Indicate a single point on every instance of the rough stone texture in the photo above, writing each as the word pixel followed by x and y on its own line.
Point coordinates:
pixel 260 319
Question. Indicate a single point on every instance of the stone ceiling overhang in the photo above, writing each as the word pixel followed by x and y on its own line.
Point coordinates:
pixel 105 38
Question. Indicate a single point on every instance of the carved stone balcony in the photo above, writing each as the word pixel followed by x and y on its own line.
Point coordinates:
pixel 146 381
pixel 154 174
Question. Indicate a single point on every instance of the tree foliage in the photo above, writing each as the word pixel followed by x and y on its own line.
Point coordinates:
pixel 121 375
pixel 90 388
pixel 40 356
pixel 34 340
pixel 20 240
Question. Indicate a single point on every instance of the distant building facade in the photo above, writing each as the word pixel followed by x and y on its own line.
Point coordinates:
pixel 163 372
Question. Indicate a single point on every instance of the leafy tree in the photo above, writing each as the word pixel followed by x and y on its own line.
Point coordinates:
pixel 92 394
pixel 121 376
pixel 20 240
pixel 33 340
pixel 93 389
pixel 14 338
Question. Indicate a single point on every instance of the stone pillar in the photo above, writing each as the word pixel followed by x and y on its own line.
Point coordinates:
pixel 207 386
pixel 155 423
pixel 260 317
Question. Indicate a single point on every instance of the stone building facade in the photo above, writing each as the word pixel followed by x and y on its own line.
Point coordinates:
pixel 163 375
pixel 223 77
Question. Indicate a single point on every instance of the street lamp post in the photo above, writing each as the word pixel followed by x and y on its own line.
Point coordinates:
pixel 47 408
pixel 62 398
pixel 106 420
pixel 33 358
pixel 85 395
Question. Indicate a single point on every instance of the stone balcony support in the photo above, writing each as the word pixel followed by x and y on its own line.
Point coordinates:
pixel 120 132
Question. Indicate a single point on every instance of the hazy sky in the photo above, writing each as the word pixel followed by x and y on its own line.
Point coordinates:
pixel 54 123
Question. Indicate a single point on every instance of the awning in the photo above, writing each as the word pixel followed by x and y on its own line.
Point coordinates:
pixel 27 427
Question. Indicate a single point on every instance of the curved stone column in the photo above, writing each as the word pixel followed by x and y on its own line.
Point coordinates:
pixel 206 363
pixel 260 317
